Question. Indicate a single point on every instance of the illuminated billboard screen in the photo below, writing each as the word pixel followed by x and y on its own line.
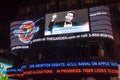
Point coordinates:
pixel 66 67
pixel 20 38
pixel 100 20
pixel 22 32
pixel 73 21
pixel 86 23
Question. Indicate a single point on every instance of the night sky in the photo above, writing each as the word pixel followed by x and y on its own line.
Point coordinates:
pixel 8 11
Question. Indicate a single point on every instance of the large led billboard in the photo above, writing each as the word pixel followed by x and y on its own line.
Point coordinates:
pixel 93 67
pixel 73 21
pixel 81 24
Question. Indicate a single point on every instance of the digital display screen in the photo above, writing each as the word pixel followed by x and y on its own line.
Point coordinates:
pixel 22 32
pixel 19 38
pixel 72 67
pixel 100 20
pixel 86 23
pixel 72 21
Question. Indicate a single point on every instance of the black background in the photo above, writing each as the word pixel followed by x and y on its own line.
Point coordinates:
pixel 8 11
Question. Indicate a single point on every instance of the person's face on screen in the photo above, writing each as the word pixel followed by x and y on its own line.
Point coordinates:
pixel 69 17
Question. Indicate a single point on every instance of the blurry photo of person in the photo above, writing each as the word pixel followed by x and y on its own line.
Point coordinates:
pixel 73 21
pixel 68 22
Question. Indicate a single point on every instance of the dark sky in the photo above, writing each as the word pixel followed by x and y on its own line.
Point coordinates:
pixel 8 11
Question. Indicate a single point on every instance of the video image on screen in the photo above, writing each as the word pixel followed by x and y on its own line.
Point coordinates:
pixel 73 21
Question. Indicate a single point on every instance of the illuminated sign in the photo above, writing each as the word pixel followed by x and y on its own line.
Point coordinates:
pixel 61 71
pixel 88 67
pixel 20 47
pixel 73 64
pixel 15 75
pixel 88 70
pixel 98 13
pixel 39 72
pixel 92 23
pixel 63 65
pixel 26 31
pixel 14 70
pixel 76 36
pixel 22 32
pixel 100 20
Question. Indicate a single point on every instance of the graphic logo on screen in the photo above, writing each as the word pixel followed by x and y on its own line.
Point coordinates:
pixel 26 31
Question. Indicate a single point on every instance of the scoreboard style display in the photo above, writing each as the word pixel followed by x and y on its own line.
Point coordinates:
pixel 86 23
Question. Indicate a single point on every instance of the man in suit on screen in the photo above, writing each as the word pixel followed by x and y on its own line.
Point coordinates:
pixel 68 22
